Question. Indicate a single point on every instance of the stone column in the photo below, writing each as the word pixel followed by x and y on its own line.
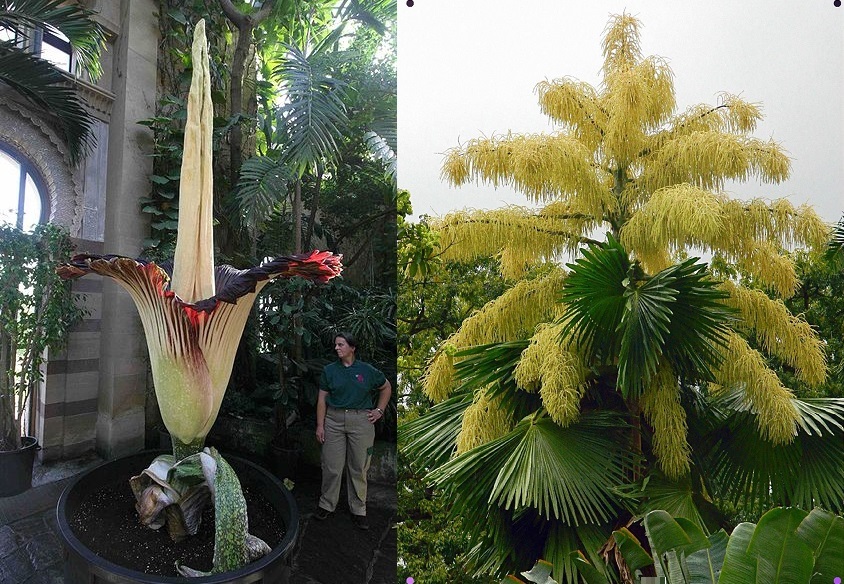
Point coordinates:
pixel 123 353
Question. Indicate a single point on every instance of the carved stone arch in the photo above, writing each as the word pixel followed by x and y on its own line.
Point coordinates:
pixel 33 138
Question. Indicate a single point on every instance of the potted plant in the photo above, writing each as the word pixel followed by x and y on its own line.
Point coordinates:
pixel 193 317
pixel 36 311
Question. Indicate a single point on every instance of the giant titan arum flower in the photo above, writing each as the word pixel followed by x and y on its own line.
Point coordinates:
pixel 194 317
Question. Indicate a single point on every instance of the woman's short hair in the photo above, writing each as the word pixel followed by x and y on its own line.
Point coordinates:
pixel 346 336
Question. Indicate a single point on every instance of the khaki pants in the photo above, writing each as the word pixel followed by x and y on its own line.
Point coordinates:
pixel 348 442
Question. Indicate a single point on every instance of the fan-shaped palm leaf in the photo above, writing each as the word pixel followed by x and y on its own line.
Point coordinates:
pixel 807 472
pixel 566 473
pixel 615 312
pixel 594 296
pixel 492 366
pixel 430 440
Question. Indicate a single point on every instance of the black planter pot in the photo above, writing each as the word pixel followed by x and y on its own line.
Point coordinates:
pixel 83 566
pixel 16 467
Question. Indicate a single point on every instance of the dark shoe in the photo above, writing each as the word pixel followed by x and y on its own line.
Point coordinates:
pixel 360 522
pixel 322 514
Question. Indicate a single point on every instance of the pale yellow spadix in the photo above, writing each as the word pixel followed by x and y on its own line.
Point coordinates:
pixel 193 264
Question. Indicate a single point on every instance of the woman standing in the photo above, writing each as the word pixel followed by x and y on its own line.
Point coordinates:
pixel 346 416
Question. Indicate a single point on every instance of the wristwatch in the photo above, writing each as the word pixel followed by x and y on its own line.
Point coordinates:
pixel 380 411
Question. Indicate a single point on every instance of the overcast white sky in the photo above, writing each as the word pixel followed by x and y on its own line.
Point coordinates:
pixel 467 68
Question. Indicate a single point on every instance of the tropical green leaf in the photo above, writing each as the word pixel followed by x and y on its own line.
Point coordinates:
pixel 491 367
pixel 76 22
pixel 823 532
pixel 835 251
pixel 619 314
pixel 586 570
pixel 805 473
pixel 677 498
pixel 563 543
pixel 704 565
pixel 699 321
pixel 674 565
pixel 594 297
pixel 668 533
pixel 782 558
pixel 739 566
pixel 567 473
pixel 508 491
pixel 643 330
pixel 631 550
pixel 381 150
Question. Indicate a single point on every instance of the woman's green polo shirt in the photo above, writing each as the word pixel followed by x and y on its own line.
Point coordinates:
pixel 351 387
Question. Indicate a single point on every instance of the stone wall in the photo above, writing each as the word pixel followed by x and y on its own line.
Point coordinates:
pixel 94 392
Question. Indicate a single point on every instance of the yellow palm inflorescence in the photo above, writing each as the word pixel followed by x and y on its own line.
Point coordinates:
pixel 662 409
pixel 483 422
pixel 557 371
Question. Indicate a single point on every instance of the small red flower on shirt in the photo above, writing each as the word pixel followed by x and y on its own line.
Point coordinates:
pixel 359 377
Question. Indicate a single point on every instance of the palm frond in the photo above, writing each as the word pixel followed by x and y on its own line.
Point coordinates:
pixel 614 310
pixel 314 115
pixel 262 183
pixel 806 473
pixel 492 367
pixel 430 440
pixel 835 249
pixel 46 88
pixel 594 297
pixel 376 14
pixel 380 148
pixel 565 473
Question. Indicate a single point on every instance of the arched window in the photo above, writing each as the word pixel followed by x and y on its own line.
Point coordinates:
pixel 22 200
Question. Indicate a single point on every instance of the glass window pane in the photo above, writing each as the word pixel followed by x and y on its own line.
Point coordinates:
pixel 10 173
pixel 31 205
pixel 54 48
pixel 33 199
pixel 56 56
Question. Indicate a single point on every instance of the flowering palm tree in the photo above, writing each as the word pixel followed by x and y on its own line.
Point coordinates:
pixel 193 317
pixel 635 379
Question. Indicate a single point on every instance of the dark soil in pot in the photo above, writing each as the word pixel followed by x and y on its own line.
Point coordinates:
pixel 107 524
